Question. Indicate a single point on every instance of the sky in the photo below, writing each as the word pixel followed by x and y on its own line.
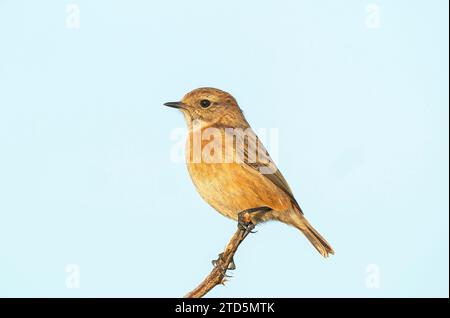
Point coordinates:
pixel 93 202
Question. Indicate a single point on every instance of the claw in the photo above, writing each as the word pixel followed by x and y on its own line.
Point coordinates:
pixel 231 266
pixel 245 220
pixel 215 262
pixel 246 227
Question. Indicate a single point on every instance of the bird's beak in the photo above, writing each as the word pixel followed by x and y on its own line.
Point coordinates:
pixel 174 104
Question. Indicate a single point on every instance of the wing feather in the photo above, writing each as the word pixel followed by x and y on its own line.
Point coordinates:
pixel 251 152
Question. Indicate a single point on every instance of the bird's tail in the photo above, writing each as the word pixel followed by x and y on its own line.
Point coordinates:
pixel 313 236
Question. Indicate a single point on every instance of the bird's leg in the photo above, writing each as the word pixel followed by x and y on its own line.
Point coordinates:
pixel 245 222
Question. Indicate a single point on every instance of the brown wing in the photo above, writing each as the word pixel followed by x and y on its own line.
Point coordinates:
pixel 251 152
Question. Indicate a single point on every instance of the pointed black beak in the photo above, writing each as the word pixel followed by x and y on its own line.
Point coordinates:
pixel 173 104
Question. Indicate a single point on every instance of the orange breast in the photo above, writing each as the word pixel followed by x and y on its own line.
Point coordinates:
pixel 232 187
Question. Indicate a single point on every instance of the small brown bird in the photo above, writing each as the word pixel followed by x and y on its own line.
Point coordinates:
pixel 232 170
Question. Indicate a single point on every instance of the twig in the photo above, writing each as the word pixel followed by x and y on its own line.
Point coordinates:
pixel 217 275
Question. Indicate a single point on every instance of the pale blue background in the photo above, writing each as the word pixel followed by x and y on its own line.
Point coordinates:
pixel 85 170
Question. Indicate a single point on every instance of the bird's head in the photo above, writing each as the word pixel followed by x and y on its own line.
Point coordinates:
pixel 211 106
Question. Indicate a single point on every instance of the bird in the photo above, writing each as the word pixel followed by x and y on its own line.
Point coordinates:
pixel 232 170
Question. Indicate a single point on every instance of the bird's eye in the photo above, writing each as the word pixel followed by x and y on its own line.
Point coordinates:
pixel 205 103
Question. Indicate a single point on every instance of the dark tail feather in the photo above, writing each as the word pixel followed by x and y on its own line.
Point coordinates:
pixel 314 237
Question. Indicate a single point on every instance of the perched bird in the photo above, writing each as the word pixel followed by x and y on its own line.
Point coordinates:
pixel 232 170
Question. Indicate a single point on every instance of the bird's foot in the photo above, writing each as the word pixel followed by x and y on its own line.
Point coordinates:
pixel 246 218
pixel 245 223
pixel 218 263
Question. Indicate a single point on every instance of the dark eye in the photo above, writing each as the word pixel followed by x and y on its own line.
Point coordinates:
pixel 205 103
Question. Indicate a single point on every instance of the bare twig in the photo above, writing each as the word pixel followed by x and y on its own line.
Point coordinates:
pixel 217 275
